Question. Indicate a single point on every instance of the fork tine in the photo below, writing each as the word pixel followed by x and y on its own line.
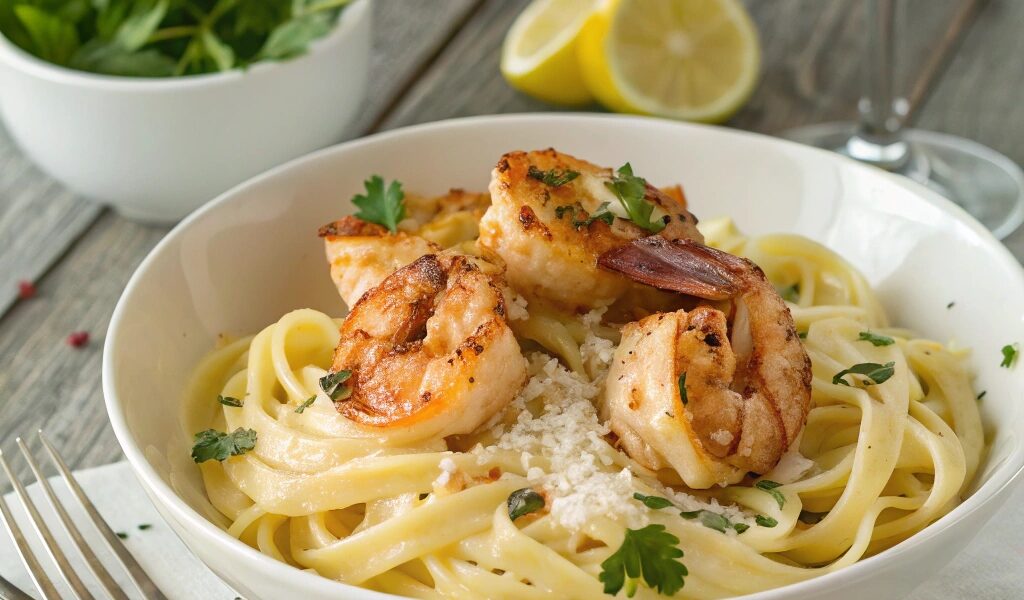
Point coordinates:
pixel 142 581
pixel 56 554
pixel 35 570
pixel 9 591
pixel 91 561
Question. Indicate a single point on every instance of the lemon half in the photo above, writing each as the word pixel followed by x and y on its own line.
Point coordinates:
pixel 696 60
pixel 539 55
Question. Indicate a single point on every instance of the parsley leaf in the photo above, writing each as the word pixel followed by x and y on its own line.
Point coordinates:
pixel 655 502
pixel 305 404
pixel 1009 355
pixel 740 527
pixel 601 214
pixel 554 177
pixel 380 206
pixel 229 401
pixel 769 486
pixel 524 501
pixel 651 552
pixel 982 394
pixel 632 193
pixel 217 445
pixel 682 388
pixel 764 521
pixel 875 339
pixel 709 519
pixel 873 371
pixel 332 384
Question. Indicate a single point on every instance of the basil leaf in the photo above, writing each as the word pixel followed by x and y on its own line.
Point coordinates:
pixel 873 371
pixel 134 31
pixel 221 54
pixel 332 384
pixel 52 38
pixel 292 38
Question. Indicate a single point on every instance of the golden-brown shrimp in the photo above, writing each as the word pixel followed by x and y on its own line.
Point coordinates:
pixel 429 350
pixel 690 391
pixel 546 234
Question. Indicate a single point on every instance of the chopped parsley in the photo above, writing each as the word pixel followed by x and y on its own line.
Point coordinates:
pixel 217 445
pixel 791 294
pixel 875 339
pixel 631 192
pixel 982 394
pixel 950 305
pixel 655 502
pixel 740 527
pixel 601 214
pixel 333 385
pixel 524 501
pixel 1010 352
pixel 713 520
pixel 802 335
pixel 144 526
pixel 875 372
pixel 229 401
pixel 682 388
pixel 305 404
pixel 381 206
pixel 766 485
pixel 650 552
pixel 554 177
pixel 764 521
pixel 122 535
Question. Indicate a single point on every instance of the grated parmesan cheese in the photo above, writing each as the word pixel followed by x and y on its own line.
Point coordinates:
pixel 517 309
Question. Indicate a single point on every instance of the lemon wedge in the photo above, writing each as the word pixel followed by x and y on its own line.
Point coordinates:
pixel 696 60
pixel 539 54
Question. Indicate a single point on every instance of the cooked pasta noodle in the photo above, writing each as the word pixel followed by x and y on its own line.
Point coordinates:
pixel 875 464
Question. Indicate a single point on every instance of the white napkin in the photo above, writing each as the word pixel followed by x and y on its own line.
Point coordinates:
pixel 992 567
pixel 118 496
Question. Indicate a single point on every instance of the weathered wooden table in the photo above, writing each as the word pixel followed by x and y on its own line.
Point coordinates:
pixel 434 60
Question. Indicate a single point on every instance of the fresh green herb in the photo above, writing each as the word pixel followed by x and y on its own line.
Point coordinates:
pixel 802 335
pixel 873 371
pixel 162 38
pixel 791 294
pixel 950 305
pixel 682 388
pixel 982 394
pixel 522 502
pixel 811 518
pixel 380 206
pixel 650 552
pixel 601 214
pixel 122 535
pixel 768 486
pixel 145 526
pixel 631 192
pixel 764 521
pixel 709 519
pixel 333 385
pixel 740 527
pixel 1009 355
pixel 305 404
pixel 875 339
pixel 554 177
pixel 217 445
pixel 655 502
pixel 229 401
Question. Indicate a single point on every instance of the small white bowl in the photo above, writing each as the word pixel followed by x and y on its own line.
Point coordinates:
pixel 156 148
pixel 252 255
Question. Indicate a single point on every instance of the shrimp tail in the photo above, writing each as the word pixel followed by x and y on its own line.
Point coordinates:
pixel 683 266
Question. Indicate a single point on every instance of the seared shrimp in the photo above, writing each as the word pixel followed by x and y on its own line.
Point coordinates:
pixel 548 238
pixel 362 254
pixel 429 350
pixel 689 391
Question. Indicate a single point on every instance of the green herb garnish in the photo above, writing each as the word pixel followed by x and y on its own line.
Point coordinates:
pixel 655 502
pixel 682 388
pixel 982 394
pixel 554 177
pixel 305 404
pixel 229 401
pixel 380 206
pixel 875 372
pixel 332 385
pixel 524 501
pixel 1009 355
pixel 875 339
pixel 631 192
pixel 162 38
pixel 650 552
pixel 740 527
pixel 145 526
pixel 950 305
pixel 764 521
pixel 217 445
pixel 791 293
pixel 769 486
pixel 601 214
pixel 122 535
pixel 802 335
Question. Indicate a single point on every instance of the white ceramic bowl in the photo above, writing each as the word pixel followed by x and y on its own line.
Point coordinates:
pixel 253 254
pixel 156 148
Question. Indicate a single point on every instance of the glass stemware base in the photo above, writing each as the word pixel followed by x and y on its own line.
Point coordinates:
pixel 982 181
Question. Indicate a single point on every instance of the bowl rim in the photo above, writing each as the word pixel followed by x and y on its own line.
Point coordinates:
pixel 1004 475
pixel 17 58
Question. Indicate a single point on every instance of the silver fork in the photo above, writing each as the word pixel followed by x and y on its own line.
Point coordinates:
pixel 43 583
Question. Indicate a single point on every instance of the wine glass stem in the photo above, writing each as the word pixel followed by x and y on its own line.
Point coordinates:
pixel 879 139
